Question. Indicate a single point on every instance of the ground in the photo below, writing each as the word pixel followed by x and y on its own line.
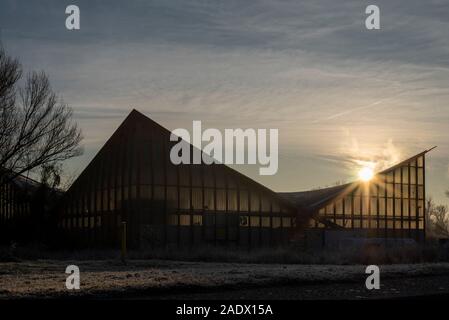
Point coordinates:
pixel 159 279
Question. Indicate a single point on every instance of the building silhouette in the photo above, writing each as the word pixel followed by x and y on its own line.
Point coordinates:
pixel 391 205
pixel 25 210
pixel 132 180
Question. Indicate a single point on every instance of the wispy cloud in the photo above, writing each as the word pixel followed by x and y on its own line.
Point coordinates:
pixel 309 68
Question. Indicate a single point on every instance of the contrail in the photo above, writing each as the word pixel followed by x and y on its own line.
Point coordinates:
pixel 356 109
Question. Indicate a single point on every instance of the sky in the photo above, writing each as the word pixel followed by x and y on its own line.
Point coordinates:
pixel 338 93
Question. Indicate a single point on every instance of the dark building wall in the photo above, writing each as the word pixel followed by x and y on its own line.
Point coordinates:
pixel 14 210
pixel 132 179
pixel 24 210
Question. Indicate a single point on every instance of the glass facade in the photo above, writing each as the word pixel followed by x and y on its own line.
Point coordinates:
pixel 394 200
pixel 132 179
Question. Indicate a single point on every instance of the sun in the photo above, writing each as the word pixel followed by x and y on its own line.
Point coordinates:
pixel 366 174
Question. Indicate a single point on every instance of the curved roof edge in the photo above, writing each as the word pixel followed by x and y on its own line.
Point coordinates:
pixel 316 199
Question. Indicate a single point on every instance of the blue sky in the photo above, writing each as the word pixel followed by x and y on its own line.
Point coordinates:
pixel 337 92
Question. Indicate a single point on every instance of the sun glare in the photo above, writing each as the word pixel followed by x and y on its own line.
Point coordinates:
pixel 366 174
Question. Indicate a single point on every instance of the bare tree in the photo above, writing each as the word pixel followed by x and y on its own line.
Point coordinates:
pixel 437 219
pixel 430 206
pixel 36 127
pixel 441 220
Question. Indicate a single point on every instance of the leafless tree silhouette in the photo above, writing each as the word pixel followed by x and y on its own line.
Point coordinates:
pixel 36 127
pixel 437 219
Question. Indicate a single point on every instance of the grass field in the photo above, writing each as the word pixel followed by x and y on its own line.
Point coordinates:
pixel 111 278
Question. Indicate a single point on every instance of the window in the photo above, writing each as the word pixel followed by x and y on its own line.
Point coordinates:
pixel 159 193
pixel 255 221
pixel 197 220
pixel 184 175
pixel 373 208
pixel 365 224
pixel 196 175
pixel 232 200
pixel 421 161
pixel 266 222
pixel 373 189
pixel 413 192
pixel 184 198
pixel 365 205
pixel 255 204
pixel 348 205
pixel 243 200
pixel 184 220
pixel 397 190
pixel 420 176
pixel 197 199
pixel 382 189
pixel 405 208
pixel 405 188
pixel 220 178
pixel 357 205
pixel 390 177
pixel 339 206
pixel 209 179
pixel 276 222
pixel 421 224
pixel 266 204
pixel 397 207
pixel 243 221
pixel 412 209
pixel 286 222
pixel 209 199
pixel 420 192
pixel 397 175
pixel 172 197
pixel 389 209
pixel 412 175
pixel 173 219
pixel 221 199
pixel 390 189
pixel 421 208
pixel 390 224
